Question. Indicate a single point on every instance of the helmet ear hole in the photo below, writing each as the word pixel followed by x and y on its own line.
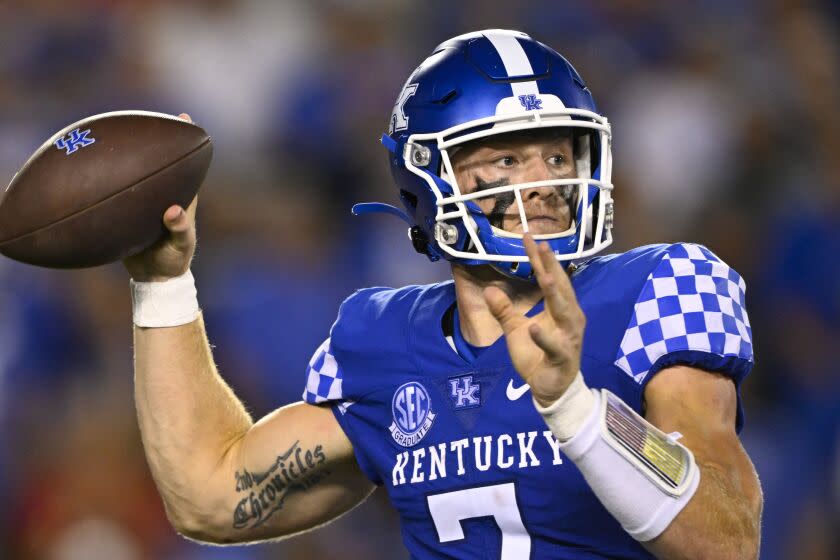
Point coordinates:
pixel 419 240
pixel 409 199
pixel 446 98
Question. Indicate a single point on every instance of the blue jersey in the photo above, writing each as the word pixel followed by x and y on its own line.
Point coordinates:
pixel 456 440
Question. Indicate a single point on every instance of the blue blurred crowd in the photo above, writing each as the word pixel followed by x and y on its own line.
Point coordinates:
pixel 727 132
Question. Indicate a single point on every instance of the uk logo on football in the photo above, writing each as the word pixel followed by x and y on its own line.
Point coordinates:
pixel 464 392
pixel 412 411
pixel 75 140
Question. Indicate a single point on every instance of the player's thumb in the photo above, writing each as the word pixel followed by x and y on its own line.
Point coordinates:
pixel 179 223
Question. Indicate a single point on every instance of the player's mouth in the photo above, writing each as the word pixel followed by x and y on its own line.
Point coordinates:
pixel 542 224
pixel 541 218
pixel 557 220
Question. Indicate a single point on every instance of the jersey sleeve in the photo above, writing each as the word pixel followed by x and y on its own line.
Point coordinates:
pixel 363 330
pixel 323 377
pixel 342 372
pixel 689 311
pixel 324 384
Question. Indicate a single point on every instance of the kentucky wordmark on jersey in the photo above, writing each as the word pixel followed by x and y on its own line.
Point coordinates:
pixel 502 451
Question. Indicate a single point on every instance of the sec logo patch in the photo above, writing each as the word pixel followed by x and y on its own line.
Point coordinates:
pixel 412 411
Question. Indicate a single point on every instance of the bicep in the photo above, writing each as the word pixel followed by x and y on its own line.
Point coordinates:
pixel 699 404
pixel 292 471
pixel 702 407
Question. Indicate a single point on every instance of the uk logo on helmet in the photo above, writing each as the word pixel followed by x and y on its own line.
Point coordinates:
pixel 531 102
pixel 74 141
pixel 412 411
pixel 398 119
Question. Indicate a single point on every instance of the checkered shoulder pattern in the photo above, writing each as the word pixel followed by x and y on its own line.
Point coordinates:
pixel 692 301
pixel 323 377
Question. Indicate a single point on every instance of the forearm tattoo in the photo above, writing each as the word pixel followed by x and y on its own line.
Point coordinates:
pixel 296 470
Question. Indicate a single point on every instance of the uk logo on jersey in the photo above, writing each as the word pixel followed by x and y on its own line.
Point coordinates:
pixel 464 393
pixel 75 140
pixel 412 411
pixel 531 102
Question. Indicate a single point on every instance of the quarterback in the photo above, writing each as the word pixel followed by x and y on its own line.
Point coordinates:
pixel 544 403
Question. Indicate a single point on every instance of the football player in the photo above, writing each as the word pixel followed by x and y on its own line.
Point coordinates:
pixel 544 403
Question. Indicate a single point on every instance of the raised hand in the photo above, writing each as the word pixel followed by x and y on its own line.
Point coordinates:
pixel 545 349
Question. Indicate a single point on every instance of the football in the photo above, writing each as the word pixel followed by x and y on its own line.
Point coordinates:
pixel 96 191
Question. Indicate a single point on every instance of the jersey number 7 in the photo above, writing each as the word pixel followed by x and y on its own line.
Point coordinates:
pixel 499 501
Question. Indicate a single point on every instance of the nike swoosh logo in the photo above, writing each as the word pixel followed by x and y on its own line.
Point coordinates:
pixel 513 393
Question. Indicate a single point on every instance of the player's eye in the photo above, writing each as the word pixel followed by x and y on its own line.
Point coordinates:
pixel 558 159
pixel 505 161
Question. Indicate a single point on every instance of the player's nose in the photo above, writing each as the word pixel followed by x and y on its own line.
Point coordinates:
pixel 538 170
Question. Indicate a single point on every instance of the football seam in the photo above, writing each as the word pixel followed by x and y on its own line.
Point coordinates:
pixel 109 197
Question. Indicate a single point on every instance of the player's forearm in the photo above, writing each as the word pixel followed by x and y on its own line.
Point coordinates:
pixel 721 521
pixel 189 417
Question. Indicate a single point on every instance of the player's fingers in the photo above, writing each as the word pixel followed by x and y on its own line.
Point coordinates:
pixel 549 344
pixel 549 278
pixel 502 309
pixel 542 259
pixel 532 250
pixel 558 293
pixel 186 117
pixel 552 265
pixel 547 269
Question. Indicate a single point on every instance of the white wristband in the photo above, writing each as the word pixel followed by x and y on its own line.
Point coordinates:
pixel 165 304
pixel 567 414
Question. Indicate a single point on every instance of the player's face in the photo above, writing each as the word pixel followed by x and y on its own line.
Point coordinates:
pixel 521 157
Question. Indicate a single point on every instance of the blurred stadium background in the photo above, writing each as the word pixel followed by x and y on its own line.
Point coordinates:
pixel 727 132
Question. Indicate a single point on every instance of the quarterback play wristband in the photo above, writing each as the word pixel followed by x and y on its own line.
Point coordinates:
pixel 165 304
pixel 641 475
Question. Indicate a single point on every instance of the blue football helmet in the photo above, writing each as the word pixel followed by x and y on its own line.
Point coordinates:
pixel 478 85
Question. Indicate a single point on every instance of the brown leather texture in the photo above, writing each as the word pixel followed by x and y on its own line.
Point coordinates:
pixel 104 201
